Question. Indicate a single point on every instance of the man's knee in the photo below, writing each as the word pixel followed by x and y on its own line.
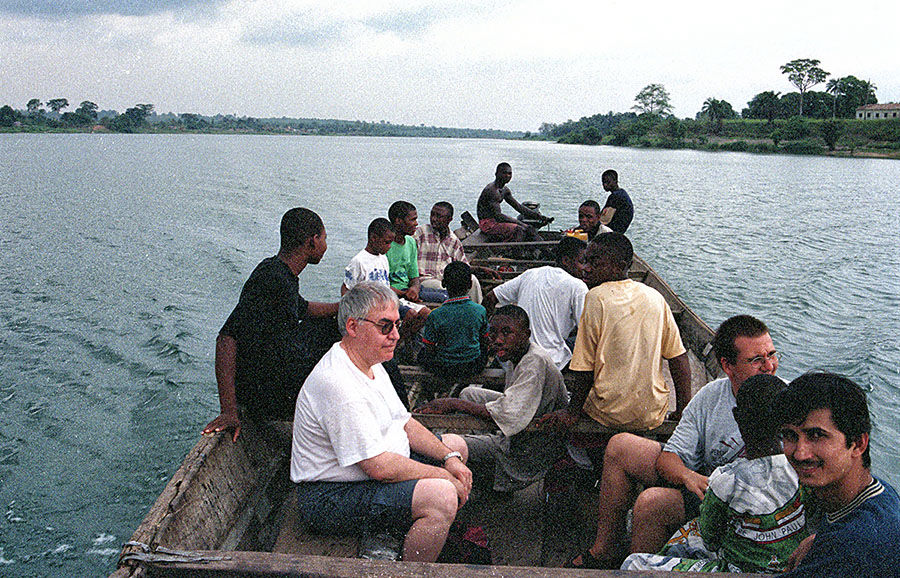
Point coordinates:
pixel 435 497
pixel 619 447
pixel 456 443
pixel 660 505
pixel 634 454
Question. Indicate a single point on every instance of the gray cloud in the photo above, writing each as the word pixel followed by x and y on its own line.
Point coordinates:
pixel 410 22
pixel 298 30
pixel 74 8
pixel 313 29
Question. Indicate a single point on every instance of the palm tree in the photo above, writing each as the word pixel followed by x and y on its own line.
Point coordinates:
pixel 869 88
pixel 835 87
pixel 716 110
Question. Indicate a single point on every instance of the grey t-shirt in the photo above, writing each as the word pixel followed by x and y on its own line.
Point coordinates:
pixel 707 435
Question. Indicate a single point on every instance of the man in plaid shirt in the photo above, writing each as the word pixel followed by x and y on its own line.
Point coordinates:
pixel 438 247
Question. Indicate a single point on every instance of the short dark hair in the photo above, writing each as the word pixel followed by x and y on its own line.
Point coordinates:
pixel 592 204
pixel 399 210
pixel 618 246
pixel 824 390
pixel 515 313
pixel 610 175
pixel 379 227
pixel 445 205
pixel 730 330
pixel 755 409
pixel 502 166
pixel 298 226
pixel 457 278
pixel 569 247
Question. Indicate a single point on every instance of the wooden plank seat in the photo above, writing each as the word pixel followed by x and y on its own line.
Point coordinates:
pixel 296 538
pixel 426 384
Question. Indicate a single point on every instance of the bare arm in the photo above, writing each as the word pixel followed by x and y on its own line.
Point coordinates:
pixel 607 214
pixel 324 309
pixel 530 213
pixel 680 368
pixel 567 417
pixel 670 467
pixel 389 467
pixel 412 292
pixel 581 386
pixel 489 302
pixel 453 404
pixel 486 270
pixel 422 441
pixel 226 356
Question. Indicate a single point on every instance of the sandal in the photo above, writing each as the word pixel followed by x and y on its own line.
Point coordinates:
pixel 588 562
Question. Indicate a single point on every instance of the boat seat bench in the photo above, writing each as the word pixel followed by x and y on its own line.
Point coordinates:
pixel 295 538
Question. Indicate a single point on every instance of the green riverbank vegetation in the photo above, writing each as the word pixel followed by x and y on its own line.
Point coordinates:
pixel 142 118
pixel 795 135
pixel 803 122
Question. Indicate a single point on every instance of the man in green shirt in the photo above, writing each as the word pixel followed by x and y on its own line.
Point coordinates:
pixel 403 261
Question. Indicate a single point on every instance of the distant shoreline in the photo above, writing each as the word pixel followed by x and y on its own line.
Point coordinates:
pixel 289 127
pixel 718 145
pixel 724 145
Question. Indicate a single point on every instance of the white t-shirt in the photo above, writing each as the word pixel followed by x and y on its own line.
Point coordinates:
pixel 342 417
pixel 553 300
pixel 365 266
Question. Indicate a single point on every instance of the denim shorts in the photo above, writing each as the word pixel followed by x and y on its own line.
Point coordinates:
pixel 356 507
pixel 359 507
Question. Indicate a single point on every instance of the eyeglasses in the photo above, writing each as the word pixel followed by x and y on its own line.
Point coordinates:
pixel 759 360
pixel 385 325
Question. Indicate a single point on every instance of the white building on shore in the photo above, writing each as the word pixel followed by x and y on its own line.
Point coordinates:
pixel 878 111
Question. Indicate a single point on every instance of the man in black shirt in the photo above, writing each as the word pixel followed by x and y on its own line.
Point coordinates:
pixel 274 337
pixel 619 210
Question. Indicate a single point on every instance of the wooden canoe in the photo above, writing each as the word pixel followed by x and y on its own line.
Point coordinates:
pixel 228 510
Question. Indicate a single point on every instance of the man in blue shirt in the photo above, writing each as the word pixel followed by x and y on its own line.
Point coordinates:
pixel 619 210
pixel 825 435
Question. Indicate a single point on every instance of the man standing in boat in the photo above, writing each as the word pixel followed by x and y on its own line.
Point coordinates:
pixel 825 437
pixel 360 461
pixel 274 337
pixel 492 221
pixel 675 474
pixel 619 210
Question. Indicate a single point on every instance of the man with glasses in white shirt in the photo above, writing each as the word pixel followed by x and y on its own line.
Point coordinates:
pixel 360 461
pixel 676 474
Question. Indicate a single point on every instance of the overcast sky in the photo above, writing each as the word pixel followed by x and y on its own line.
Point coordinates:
pixel 460 63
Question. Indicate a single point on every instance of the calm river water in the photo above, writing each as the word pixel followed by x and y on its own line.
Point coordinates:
pixel 122 255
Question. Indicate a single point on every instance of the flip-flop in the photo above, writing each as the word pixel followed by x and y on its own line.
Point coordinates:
pixel 588 562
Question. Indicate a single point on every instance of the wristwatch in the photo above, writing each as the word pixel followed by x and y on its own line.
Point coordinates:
pixel 452 455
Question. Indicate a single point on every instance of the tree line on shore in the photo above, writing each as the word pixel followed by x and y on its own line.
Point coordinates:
pixel 142 118
pixel 804 122
pixel 797 122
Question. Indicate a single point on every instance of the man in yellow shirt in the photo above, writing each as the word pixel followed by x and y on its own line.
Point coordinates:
pixel 625 330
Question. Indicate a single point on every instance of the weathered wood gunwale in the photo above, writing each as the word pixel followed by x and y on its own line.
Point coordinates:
pixel 225 511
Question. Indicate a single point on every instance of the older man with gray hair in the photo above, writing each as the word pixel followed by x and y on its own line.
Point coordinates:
pixel 360 461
